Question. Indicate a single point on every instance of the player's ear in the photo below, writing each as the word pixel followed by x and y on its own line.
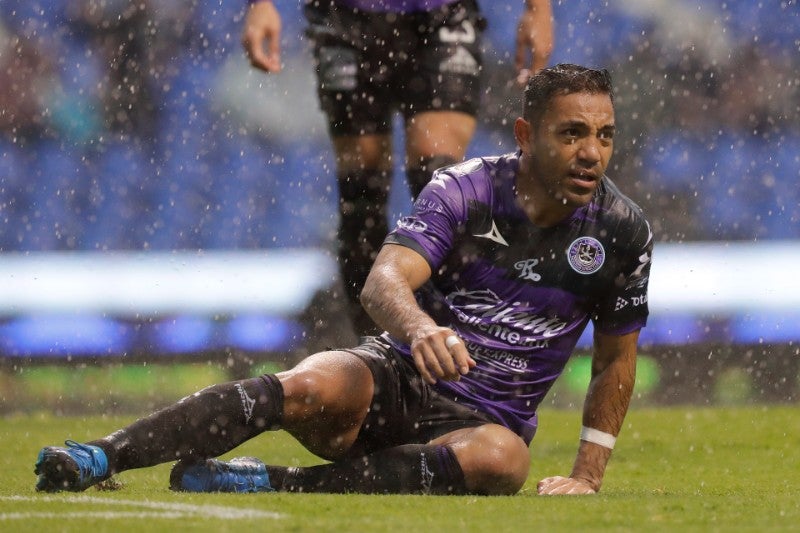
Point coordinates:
pixel 522 134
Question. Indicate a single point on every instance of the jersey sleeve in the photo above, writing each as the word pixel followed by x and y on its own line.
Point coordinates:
pixel 624 309
pixel 438 216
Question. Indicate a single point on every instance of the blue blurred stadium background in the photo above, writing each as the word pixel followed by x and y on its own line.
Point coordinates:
pixel 133 128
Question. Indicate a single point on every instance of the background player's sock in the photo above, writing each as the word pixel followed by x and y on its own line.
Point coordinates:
pixel 205 424
pixel 407 469
pixel 420 174
pixel 363 196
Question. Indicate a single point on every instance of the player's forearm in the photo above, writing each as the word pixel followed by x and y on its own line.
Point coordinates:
pixel 390 302
pixel 604 411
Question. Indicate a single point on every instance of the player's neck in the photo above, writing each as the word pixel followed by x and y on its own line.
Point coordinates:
pixel 541 209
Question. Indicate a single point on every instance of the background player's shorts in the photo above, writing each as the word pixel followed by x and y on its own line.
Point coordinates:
pixel 370 65
pixel 405 409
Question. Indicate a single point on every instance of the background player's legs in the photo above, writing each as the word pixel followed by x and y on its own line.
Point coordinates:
pixel 445 73
pixel 364 170
pixel 435 139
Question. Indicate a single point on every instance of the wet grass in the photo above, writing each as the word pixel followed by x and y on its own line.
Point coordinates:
pixel 697 469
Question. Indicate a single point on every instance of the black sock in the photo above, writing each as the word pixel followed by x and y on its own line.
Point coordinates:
pixel 418 175
pixel 407 469
pixel 205 424
pixel 363 196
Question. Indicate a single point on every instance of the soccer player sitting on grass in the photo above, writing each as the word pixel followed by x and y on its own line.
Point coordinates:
pixel 483 292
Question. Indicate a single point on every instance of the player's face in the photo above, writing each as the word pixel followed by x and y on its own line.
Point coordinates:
pixel 569 149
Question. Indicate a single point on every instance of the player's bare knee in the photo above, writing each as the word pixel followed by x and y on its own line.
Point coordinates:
pixel 330 384
pixel 507 467
pixel 497 464
pixel 302 394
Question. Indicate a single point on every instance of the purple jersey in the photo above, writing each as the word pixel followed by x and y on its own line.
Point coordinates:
pixel 394 6
pixel 520 295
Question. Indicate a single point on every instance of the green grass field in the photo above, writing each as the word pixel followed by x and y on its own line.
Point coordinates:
pixel 692 469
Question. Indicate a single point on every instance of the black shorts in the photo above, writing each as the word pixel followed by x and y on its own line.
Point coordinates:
pixel 371 65
pixel 405 409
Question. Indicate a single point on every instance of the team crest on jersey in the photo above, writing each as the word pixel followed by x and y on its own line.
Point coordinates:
pixel 586 255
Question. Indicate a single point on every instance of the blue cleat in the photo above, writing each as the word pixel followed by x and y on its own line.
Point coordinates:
pixel 74 468
pixel 242 474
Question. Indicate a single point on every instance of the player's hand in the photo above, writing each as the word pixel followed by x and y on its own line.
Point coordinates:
pixel 554 485
pixel 440 354
pixel 263 23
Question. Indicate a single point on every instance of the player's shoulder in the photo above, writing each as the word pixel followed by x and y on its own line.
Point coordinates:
pixel 618 204
pixel 623 213
pixel 485 166
pixel 478 175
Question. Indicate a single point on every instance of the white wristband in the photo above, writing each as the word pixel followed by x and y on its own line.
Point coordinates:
pixel 607 440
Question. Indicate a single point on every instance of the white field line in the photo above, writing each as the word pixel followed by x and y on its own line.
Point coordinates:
pixel 155 509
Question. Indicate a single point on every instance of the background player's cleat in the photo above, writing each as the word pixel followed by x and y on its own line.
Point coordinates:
pixel 74 468
pixel 242 474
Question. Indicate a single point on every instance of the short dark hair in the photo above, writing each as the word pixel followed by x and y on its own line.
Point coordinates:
pixel 562 79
